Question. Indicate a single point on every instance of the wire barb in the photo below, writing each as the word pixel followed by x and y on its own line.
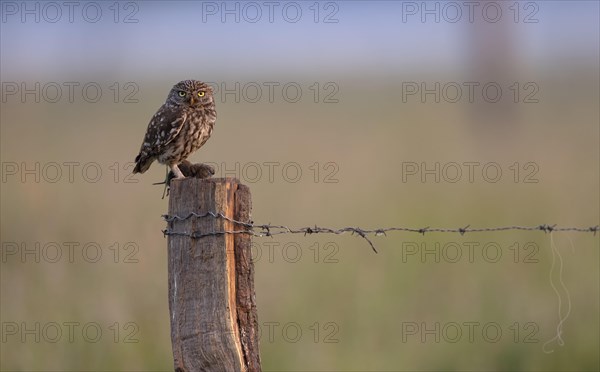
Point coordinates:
pixel 270 230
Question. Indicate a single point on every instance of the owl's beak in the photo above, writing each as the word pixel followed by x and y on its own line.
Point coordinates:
pixel 191 100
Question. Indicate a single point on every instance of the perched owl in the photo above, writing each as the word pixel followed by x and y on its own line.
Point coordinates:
pixel 180 126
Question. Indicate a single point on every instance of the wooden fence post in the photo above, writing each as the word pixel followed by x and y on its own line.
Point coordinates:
pixel 212 307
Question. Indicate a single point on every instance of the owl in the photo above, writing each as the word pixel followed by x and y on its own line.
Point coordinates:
pixel 180 126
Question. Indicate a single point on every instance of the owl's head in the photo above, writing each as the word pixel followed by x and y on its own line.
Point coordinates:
pixel 191 93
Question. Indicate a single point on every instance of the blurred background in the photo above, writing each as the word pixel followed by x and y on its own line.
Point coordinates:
pixel 370 114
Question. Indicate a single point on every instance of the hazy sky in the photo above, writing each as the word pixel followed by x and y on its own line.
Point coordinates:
pixel 300 38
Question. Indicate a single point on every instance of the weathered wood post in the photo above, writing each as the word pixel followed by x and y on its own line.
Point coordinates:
pixel 214 324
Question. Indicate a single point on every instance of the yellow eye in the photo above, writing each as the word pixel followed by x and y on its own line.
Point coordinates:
pixel 200 94
pixel 181 93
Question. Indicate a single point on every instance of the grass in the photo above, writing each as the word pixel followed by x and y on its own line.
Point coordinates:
pixel 351 306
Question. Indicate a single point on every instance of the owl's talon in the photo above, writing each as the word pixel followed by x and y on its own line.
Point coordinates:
pixel 176 171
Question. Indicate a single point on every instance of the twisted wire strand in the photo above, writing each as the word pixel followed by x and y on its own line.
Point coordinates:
pixel 272 229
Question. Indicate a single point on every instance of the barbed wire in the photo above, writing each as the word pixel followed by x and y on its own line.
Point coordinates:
pixel 271 229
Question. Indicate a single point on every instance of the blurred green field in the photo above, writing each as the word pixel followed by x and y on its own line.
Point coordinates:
pixel 325 302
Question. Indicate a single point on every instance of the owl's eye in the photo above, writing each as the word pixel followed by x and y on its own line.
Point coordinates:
pixel 181 93
pixel 200 94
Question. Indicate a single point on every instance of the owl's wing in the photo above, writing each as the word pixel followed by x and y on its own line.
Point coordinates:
pixel 164 126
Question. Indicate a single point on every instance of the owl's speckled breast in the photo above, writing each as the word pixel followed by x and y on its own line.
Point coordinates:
pixel 195 132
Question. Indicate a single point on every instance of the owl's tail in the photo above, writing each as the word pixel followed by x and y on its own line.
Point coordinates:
pixel 143 162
